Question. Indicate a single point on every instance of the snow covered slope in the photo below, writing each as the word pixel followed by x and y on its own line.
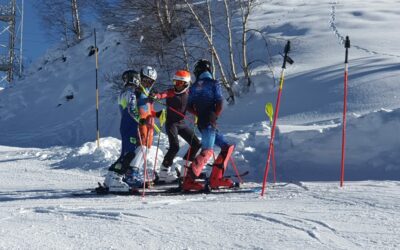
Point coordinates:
pixel 38 212
pixel 49 149
pixel 38 111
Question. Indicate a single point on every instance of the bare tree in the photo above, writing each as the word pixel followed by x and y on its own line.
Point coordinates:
pixel 75 19
pixel 225 83
pixel 246 7
pixel 156 31
pixel 61 18
pixel 229 29
pixel 210 24
pixel 185 52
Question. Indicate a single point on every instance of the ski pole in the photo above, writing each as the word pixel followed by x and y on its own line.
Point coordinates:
pixel 162 121
pixel 269 109
pixel 347 46
pixel 155 159
pixel 97 90
pixel 286 58
pixel 189 152
pixel 144 156
pixel 236 170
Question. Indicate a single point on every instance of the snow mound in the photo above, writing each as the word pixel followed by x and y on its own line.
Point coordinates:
pixel 372 146
pixel 89 156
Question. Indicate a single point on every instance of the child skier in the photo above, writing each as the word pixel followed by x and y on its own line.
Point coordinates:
pixel 176 101
pixel 127 102
pixel 205 101
pixel 148 76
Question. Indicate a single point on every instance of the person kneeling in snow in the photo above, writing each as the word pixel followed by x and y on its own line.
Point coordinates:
pixel 205 101
pixel 176 102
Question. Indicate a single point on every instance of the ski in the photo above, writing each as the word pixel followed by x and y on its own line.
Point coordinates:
pixel 168 191
pixel 203 175
pixel 237 176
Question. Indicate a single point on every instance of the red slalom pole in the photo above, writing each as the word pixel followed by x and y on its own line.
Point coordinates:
pixel 269 110
pixel 274 164
pixel 346 63
pixel 278 101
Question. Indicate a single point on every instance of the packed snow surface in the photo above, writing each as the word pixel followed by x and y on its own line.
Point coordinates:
pixel 38 211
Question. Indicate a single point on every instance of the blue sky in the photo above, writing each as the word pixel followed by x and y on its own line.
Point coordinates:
pixel 35 40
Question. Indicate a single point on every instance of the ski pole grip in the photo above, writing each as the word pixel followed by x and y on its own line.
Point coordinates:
pixel 285 57
pixel 347 42
pixel 347 46
pixel 287 48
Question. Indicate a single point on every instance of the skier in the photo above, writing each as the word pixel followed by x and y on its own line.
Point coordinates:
pixel 148 76
pixel 145 105
pixel 136 131
pixel 176 101
pixel 206 101
pixel 115 179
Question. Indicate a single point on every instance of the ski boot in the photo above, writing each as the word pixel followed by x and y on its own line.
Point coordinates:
pixel 133 178
pixel 114 183
pixel 167 175
pixel 190 184
pixel 217 179
pixel 200 161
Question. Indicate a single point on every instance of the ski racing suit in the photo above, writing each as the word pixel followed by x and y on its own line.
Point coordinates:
pixel 145 132
pixel 206 101
pixel 116 178
pixel 127 103
pixel 175 125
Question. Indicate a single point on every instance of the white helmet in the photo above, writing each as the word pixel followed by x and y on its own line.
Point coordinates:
pixel 181 81
pixel 148 72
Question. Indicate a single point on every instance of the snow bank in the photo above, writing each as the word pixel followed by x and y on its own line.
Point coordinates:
pixel 372 150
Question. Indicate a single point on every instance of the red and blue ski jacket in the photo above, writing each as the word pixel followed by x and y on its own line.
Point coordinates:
pixel 205 100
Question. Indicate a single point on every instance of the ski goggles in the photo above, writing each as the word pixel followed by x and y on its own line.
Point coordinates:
pixel 148 80
pixel 178 83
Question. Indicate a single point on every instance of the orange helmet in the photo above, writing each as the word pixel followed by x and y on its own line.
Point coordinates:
pixel 181 81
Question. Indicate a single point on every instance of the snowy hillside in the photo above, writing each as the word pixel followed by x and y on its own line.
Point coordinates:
pixel 48 145
pixel 55 104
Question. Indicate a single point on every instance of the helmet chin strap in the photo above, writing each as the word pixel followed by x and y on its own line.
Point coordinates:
pixel 181 91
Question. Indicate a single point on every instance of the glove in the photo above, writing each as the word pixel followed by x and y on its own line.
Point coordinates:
pixel 153 95
pixel 146 121
pixel 158 113
pixel 143 121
